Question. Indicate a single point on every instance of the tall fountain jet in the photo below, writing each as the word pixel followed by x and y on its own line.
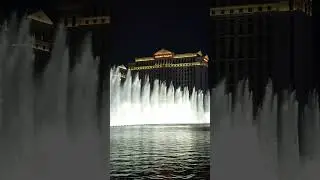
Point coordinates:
pixel 48 131
pixel 265 147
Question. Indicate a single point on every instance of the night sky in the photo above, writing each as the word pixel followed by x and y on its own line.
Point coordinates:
pixel 141 27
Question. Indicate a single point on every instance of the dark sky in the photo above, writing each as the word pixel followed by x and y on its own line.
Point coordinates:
pixel 141 27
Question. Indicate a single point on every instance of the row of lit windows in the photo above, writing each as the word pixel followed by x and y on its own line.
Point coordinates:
pixel 252 8
pixel 38 45
pixel 169 66
pixel 167 75
pixel 214 12
pixel 42 46
pixel 74 22
pixel 280 7
pixel 175 79
pixel 166 61
pixel 181 81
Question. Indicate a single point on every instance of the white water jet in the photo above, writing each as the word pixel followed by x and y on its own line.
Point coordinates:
pixel 48 131
pixel 235 144
pixel 267 149
pixel 134 103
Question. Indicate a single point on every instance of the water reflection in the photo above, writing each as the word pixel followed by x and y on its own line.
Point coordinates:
pixel 160 152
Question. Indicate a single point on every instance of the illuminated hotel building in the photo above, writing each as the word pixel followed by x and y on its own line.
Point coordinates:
pixel 262 39
pixel 183 70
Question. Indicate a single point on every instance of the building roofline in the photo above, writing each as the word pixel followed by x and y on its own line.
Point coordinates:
pixel 281 6
pixel 40 16
pixel 163 53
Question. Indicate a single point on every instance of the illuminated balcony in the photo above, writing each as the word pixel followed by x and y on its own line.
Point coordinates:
pixel 37 45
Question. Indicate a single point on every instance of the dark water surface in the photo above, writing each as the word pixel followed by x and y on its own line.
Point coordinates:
pixel 160 152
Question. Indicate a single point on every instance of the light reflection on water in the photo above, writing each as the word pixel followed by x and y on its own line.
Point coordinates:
pixel 160 152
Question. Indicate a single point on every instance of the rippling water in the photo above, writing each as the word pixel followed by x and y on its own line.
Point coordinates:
pixel 160 152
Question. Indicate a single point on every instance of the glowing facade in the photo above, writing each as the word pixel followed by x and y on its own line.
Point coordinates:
pixel 184 70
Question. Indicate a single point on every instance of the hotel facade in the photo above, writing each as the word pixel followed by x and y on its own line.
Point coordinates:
pixel 261 40
pixel 79 19
pixel 182 70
